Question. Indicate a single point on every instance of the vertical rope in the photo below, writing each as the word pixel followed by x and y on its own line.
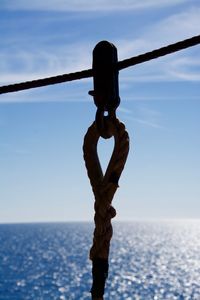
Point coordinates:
pixel 104 188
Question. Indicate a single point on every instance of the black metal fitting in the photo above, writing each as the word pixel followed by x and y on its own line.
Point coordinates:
pixel 105 76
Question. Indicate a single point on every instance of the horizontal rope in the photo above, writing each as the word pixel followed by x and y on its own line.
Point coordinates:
pixel 89 73
pixel 45 81
pixel 158 52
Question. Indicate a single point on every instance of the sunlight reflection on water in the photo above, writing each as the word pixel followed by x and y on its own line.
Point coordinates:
pixel 148 261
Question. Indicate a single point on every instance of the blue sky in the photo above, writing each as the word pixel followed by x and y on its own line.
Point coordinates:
pixel 42 173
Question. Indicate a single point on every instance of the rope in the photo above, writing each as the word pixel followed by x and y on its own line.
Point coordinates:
pixel 89 73
pixel 45 81
pixel 104 188
pixel 159 52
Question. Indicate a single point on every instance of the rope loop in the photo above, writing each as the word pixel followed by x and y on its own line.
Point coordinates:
pixel 104 185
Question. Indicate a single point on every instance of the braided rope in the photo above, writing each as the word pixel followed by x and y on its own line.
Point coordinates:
pixel 193 41
pixel 104 187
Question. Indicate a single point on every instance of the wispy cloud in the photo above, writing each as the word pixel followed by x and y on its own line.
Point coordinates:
pixel 178 68
pixel 23 62
pixel 71 93
pixel 28 63
pixel 143 116
pixel 183 65
pixel 181 25
pixel 186 68
pixel 44 62
pixel 149 117
pixel 145 122
pixel 86 5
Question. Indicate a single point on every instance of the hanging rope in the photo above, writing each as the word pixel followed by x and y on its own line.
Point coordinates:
pixel 89 73
pixel 104 188
pixel 106 98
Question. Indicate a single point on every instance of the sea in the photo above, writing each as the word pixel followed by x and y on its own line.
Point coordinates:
pixel 149 260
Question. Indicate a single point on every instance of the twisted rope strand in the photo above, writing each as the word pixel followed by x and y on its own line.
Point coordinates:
pixel 158 52
pixel 89 73
pixel 45 81
pixel 104 187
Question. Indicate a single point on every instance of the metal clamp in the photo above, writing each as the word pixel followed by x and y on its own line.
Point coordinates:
pixel 106 86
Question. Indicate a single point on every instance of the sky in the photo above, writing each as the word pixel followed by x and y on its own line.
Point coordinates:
pixel 42 172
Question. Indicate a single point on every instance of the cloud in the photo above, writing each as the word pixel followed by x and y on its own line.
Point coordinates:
pixel 33 63
pixel 183 65
pixel 143 116
pixel 178 26
pixel 175 27
pixel 31 60
pixel 87 6
pixel 171 69
pixel 145 121
pixel 149 117
pixel 41 62
pixel 55 93
pixel 186 68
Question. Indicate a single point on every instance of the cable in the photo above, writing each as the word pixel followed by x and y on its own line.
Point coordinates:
pixel 159 52
pixel 89 73
pixel 45 81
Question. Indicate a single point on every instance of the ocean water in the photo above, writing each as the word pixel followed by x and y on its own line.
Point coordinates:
pixel 148 261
